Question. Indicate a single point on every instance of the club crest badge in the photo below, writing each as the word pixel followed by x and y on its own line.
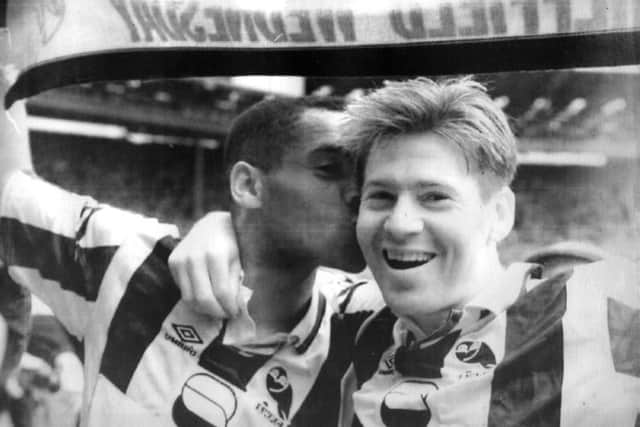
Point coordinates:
pixel 476 352
pixel 280 390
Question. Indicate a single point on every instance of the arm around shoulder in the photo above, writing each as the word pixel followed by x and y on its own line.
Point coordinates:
pixel 206 267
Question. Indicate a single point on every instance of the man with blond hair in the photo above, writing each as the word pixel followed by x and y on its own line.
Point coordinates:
pixel 465 340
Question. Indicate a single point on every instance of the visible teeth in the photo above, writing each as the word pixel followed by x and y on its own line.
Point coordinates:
pixel 404 260
pixel 408 256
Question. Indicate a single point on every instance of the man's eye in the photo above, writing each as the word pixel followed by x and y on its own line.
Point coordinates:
pixel 330 170
pixel 433 196
pixel 377 198
pixel 380 195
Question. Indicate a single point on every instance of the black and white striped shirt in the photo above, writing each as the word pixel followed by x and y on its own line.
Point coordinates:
pixel 149 359
pixel 561 352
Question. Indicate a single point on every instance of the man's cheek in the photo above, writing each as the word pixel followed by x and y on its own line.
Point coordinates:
pixel 364 236
pixel 360 233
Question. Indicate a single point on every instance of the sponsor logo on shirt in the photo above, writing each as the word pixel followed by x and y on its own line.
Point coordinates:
pixel 406 404
pixel 269 415
pixel 205 401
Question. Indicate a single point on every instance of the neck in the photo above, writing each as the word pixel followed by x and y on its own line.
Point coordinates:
pixel 279 300
pixel 281 291
pixel 479 281
pixel 425 325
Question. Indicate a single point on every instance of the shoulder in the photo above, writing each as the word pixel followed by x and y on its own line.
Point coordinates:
pixel 605 295
pixel 612 278
pixel 616 277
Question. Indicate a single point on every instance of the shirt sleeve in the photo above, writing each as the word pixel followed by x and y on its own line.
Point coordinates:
pixel 618 281
pixel 59 245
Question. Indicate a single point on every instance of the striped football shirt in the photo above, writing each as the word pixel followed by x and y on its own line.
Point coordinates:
pixel 149 359
pixel 560 352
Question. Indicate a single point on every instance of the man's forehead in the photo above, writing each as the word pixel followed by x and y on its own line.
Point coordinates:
pixel 330 117
pixel 322 127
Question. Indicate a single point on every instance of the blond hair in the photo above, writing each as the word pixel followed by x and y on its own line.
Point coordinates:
pixel 458 110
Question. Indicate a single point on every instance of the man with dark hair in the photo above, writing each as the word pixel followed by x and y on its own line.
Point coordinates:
pixel 290 152
pixel 150 359
pixel 264 133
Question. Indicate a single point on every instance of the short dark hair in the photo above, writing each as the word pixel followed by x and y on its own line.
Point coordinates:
pixel 459 110
pixel 262 134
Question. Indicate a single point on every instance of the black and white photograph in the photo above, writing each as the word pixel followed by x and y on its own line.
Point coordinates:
pixel 323 213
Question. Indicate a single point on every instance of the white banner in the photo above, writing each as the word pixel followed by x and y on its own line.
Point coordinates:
pixel 60 42
pixel 45 30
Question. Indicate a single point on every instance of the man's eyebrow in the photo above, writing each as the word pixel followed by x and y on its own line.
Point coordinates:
pixel 421 184
pixel 386 182
pixel 330 149
pixel 378 183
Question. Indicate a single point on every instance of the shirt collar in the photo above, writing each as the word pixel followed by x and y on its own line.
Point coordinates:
pixel 504 291
pixel 484 307
pixel 307 329
pixel 241 331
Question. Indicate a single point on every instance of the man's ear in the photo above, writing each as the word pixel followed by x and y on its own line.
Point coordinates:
pixel 504 203
pixel 246 185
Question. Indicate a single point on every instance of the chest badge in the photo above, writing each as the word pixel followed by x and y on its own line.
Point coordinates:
pixel 476 352
pixel 280 390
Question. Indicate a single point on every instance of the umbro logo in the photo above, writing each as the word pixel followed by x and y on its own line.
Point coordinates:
pixel 187 334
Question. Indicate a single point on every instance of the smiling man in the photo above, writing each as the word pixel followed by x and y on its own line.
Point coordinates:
pixel 423 220
pixel 472 342
pixel 435 198
pixel 465 340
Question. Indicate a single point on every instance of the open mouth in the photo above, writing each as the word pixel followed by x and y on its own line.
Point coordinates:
pixel 403 260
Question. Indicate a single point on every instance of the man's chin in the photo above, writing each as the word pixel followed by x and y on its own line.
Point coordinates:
pixel 404 306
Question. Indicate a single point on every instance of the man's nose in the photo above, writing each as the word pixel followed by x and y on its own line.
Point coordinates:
pixel 403 220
